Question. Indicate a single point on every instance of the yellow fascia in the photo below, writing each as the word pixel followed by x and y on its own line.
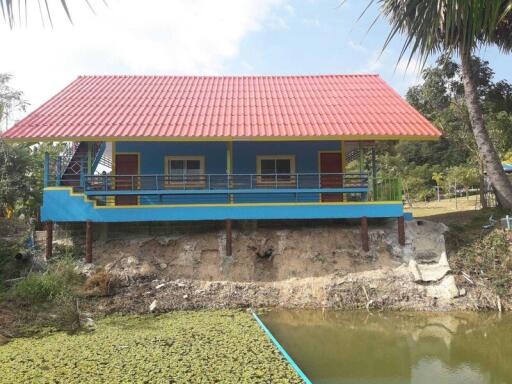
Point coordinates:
pixel 341 203
pixel 231 139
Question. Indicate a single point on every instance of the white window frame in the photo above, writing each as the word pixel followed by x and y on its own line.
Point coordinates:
pixel 261 181
pixel 167 168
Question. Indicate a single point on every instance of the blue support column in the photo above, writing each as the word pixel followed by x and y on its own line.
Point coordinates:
pixel 58 171
pixel 83 170
pixel 46 174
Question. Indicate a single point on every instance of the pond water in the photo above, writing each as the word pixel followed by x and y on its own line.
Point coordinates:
pixel 396 348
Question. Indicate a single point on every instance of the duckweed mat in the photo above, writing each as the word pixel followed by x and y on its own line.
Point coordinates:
pixel 178 347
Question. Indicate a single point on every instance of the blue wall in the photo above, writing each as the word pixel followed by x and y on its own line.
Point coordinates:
pixel 152 155
pixel 152 161
pixel 306 161
pixel 60 205
pixel 305 152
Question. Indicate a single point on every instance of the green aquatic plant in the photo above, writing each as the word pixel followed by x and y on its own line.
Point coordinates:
pixel 179 347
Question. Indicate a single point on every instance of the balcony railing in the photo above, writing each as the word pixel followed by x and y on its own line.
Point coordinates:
pixel 218 183
pixel 238 188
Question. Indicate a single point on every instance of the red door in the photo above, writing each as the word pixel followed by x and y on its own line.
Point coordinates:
pixel 127 164
pixel 330 162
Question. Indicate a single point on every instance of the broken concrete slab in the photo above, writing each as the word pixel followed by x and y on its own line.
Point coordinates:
pixel 430 272
pixel 446 289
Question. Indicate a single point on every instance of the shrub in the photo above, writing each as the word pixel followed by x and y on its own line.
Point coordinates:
pixel 100 283
pixel 59 280
pixel 39 288
pixel 67 313
pixel 489 258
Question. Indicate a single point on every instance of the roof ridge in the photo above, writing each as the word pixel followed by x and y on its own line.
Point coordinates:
pixel 236 76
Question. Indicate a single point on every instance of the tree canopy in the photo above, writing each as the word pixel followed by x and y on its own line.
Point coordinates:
pixel 440 97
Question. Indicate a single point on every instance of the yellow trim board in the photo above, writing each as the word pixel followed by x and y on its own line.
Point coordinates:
pixel 227 138
pixel 259 158
pixel 86 199
pixel 251 205
pixel 167 171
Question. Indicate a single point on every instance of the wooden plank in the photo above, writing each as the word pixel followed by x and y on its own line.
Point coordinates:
pixel 229 238
pixel 88 241
pixel 364 234
pixel 401 230
pixel 49 240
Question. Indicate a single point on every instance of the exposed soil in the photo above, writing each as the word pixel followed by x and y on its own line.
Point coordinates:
pixel 267 254
pixel 321 267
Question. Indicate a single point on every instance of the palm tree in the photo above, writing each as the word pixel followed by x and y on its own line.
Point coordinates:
pixel 457 27
pixel 13 10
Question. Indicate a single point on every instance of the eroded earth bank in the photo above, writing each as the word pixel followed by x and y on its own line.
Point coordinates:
pixel 320 266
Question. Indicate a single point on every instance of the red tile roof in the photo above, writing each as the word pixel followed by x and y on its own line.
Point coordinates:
pixel 224 107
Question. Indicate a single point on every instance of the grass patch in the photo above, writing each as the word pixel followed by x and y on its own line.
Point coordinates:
pixel 44 301
pixel 179 347
pixel 60 279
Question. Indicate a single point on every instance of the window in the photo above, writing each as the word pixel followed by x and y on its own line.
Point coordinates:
pixel 275 169
pixel 184 169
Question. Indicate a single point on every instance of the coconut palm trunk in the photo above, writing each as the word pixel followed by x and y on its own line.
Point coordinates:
pixel 491 160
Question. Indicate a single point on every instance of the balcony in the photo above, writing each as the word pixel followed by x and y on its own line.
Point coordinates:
pixel 164 197
pixel 119 190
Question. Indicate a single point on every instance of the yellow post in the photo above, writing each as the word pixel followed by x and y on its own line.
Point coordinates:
pixel 111 200
pixel 229 167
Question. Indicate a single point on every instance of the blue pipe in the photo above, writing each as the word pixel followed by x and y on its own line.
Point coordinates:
pixel 282 350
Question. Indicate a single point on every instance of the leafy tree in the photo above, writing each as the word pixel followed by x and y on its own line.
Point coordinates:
pixel 21 165
pixel 11 100
pixel 461 176
pixel 440 98
pixel 458 26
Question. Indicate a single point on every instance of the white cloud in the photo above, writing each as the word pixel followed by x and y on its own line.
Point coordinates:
pixel 159 37
pixel 410 70
pixel 357 47
pixel 311 22
pixel 377 60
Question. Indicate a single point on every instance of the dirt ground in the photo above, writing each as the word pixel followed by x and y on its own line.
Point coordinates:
pixel 258 255
pixel 383 289
pixel 318 267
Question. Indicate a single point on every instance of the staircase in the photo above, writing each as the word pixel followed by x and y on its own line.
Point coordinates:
pixel 75 158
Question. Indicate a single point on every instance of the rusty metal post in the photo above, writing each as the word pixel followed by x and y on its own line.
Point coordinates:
pixel 364 234
pixel 401 230
pixel 229 238
pixel 49 240
pixel 88 241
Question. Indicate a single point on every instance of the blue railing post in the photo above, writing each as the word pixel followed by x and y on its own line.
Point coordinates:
pixel 82 173
pixel 46 174
pixel 58 170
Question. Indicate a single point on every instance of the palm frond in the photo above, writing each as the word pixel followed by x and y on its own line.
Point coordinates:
pixel 11 7
pixel 436 26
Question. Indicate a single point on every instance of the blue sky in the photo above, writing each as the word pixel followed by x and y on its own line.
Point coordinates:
pixel 197 37
pixel 323 37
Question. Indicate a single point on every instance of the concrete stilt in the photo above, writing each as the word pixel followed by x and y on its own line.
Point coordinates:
pixel 401 230
pixel 229 238
pixel 364 234
pixel 49 240
pixel 88 241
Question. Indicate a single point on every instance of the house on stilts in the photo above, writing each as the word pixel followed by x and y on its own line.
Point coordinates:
pixel 185 148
